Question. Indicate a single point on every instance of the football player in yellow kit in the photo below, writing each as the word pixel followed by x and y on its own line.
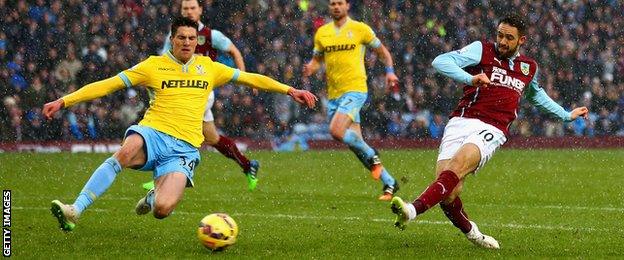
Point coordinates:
pixel 166 140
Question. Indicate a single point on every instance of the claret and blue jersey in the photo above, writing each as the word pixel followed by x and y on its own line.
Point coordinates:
pixel 497 103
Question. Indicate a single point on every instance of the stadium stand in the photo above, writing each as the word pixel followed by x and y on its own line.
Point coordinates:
pixel 48 48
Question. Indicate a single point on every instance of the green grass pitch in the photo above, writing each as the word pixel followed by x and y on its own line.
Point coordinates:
pixel 322 204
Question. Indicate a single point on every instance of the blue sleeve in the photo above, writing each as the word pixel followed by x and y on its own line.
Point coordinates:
pixel 166 45
pixel 451 64
pixel 220 41
pixel 538 97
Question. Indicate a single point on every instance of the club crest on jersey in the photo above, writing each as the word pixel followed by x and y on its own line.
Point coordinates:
pixel 524 67
pixel 349 34
pixel 200 69
pixel 201 40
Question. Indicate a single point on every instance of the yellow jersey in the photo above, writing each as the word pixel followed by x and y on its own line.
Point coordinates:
pixel 343 50
pixel 179 92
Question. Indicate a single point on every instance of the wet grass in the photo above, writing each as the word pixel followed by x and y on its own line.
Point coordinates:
pixel 546 203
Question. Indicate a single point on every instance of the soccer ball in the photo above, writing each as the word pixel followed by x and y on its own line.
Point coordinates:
pixel 217 231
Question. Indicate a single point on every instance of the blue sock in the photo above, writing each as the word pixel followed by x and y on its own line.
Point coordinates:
pixel 386 178
pixel 357 144
pixel 100 180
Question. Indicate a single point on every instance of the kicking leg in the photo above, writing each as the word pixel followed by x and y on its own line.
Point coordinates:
pixel 463 162
pixel 452 206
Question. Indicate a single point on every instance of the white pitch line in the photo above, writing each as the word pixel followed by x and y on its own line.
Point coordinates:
pixel 418 222
pixel 583 208
pixel 557 207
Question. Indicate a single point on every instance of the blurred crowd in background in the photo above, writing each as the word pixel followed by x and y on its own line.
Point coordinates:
pixel 49 48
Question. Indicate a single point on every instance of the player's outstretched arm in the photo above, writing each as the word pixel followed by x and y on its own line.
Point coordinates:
pixel 386 57
pixel 538 97
pixel 268 84
pixel 90 91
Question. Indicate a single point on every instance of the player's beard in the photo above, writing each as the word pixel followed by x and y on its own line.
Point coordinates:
pixel 339 16
pixel 507 54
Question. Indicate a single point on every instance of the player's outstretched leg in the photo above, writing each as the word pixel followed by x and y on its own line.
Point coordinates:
pixel 476 237
pixel 145 204
pixel 404 212
pixel 100 180
pixel 65 214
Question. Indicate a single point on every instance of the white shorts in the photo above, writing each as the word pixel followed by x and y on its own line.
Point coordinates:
pixel 208 117
pixel 461 130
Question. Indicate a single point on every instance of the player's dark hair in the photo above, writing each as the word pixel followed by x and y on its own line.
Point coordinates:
pixel 182 21
pixel 199 2
pixel 515 21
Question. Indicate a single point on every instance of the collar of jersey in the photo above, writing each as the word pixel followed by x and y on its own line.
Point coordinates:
pixel 337 29
pixel 184 65
pixel 201 26
pixel 511 59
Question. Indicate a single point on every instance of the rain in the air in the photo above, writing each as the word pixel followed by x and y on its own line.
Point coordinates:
pixel 312 128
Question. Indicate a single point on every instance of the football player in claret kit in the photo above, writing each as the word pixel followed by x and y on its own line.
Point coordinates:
pixel 496 75
pixel 166 140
